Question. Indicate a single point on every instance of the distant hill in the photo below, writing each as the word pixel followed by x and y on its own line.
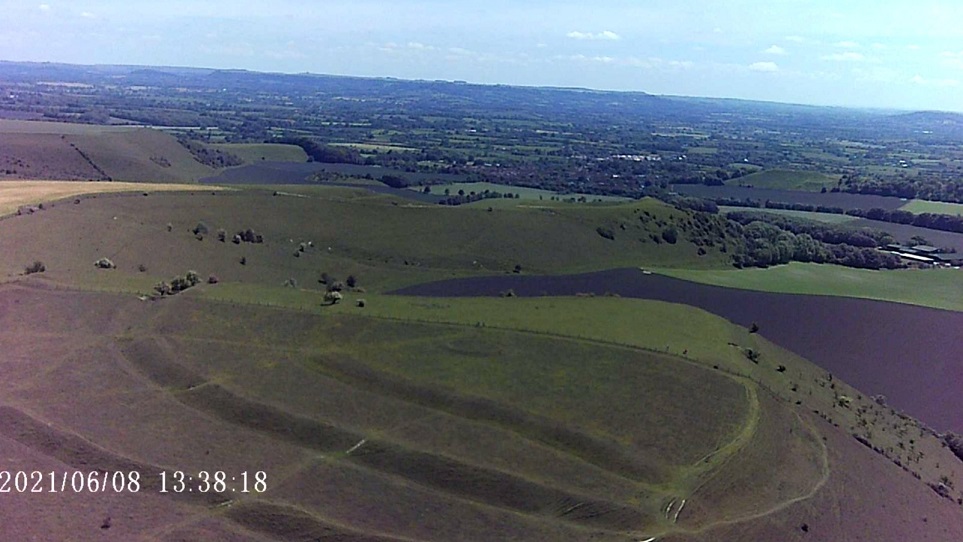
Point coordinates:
pixel 62 151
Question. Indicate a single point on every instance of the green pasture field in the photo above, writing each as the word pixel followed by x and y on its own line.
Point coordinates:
pixel 787 180
pixel 937 288
pixel 8 126
pixel 255 152
pixel 828 218
pixel 939 207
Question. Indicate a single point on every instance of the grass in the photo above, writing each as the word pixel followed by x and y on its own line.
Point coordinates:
pixel 937 288
pixel 255 152
pixel 938 207
pixel 142 155
pixel 386 242
pixel 784 179
pixel 8 126
pixel 827 218
pixel 524 193
pixel 15 194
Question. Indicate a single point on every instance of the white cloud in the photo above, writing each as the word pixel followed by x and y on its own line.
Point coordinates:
pixel 795 39
pixel 87 15
pixel 942 83
pixel 597 59
pixel 44 7
pixel 952 59
pixel 879 46
pixel 775 50
pixel 913 47
pixel 848 45
pixel 764 67
pixel 848 56
pixel 604 35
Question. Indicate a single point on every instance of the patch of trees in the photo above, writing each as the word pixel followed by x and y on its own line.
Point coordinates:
pixel 766 244
pixel 35 267
pixel 932 221
pixel 330 154
pixel 462 197
pixel 247 236
pixel 394 181
pixel 767 204
pixel 932 187
pixel 694 204
pixel 210 156
pixel 826 233
pixel 178 284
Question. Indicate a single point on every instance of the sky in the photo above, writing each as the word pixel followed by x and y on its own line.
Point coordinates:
pixel 859 53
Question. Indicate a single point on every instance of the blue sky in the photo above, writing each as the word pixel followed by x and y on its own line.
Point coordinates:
pixel 893 54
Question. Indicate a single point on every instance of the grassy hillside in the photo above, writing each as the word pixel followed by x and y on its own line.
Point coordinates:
pixel 385 242
pixel 16 194
pixel 551 418
pixel 256 152
pixel 938 207
pixel 142 155
pixel 939 288
pixel 785 179
pixel 61 151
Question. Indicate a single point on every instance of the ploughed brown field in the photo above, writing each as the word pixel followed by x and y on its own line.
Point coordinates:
pixel 908 353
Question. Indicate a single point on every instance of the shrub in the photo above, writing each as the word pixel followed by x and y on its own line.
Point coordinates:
pixel 752 355
pixel 670 235
pixel 351 281
pixel 221 235
pixel 243 260
pixel 605 232
pixel 955 443
pixel 213 279
pixel 170 227
pixel 361 303
pixel 325 278
pixel 104 263
pixel 754 328
pixel 142 268
pixel 162 288
pixel 201 229
pixel 335 286
pixel 291 283
pixel 35 267
pixel 332 298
